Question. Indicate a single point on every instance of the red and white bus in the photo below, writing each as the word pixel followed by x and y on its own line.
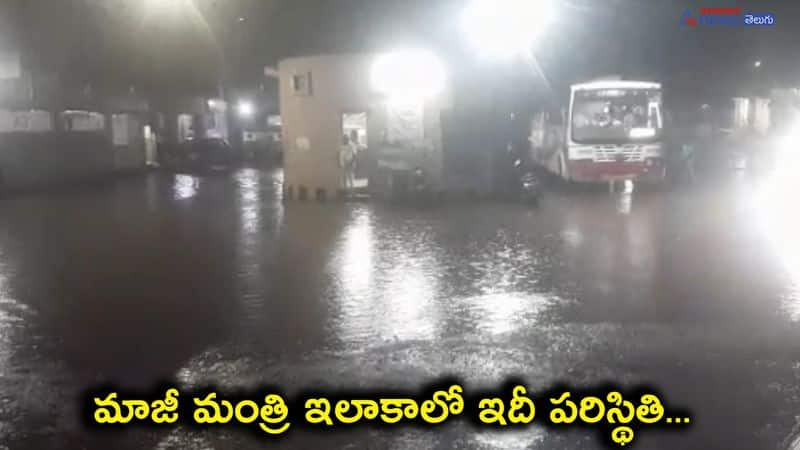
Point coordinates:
pixel 610 130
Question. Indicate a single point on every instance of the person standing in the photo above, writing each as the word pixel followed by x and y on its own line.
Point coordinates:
pixel 347 159
pixel 687 159
pixel 358 154
pixel 354 140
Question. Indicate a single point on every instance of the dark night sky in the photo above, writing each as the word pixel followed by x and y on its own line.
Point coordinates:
pixel 122 42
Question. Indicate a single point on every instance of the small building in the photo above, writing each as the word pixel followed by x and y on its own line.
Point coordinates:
pixel 325 98
pixel 130 131
pixel 184 118
pixel 752 114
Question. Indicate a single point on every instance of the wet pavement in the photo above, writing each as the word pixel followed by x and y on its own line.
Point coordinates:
pixel 214 280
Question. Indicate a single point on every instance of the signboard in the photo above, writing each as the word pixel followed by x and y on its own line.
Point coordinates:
pixel 405 124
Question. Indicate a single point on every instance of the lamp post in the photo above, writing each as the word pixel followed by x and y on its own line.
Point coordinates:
pixel 500 32
pixel 503 29
pixel 245 109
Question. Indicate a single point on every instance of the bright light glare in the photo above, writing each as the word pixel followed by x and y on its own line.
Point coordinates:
pixel 245 108
pixel 781 220
pixel 504 28
pixel 642 133
pixel 168 7
pixel 408 75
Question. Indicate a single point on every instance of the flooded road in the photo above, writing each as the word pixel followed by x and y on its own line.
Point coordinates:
pixel 214 280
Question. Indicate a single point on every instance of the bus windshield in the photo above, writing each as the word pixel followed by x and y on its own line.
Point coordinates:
pixel 616 116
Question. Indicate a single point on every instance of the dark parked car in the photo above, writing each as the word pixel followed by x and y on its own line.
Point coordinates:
pixel 211 154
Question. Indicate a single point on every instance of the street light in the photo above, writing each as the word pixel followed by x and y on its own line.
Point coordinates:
pixel 757 64
pixel 408 76
pixel 171 8
pixel 505 28
pixel 245 109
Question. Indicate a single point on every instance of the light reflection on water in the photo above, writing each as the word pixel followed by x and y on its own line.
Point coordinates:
pixel 388 291
pixel 399 307
pixel 356 264
pixel 249 185
pixel 625 203
pixel 409 308
pixel 504 312
pixel 510 440
pixel 3 281
pixel 348 278
pixel 185 186
pixel 12 314
pixel 779 220
pixel 5 318
pixel 612 255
